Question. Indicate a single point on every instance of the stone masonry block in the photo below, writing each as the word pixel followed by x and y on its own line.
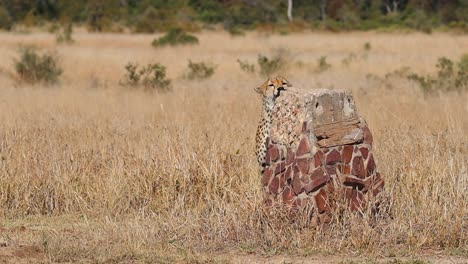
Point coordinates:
pixel 319 146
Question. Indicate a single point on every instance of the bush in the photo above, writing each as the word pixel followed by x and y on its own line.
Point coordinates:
pixel 200 70
pixel 151 20
pixel 151 77
pixel 5 19
pixel 450 76
pixel 367 46
pixel 268 66
pixel 246 66
pixel 175 37
pixel 323 65
pixel 33 67
pixel 65 34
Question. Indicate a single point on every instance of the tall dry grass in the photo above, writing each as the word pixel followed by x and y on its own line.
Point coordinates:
pixel 99 173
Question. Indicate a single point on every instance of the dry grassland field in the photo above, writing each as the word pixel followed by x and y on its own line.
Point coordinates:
pixel 94 172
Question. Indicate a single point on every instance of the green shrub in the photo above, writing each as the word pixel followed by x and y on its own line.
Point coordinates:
pixel 175 37
pixel 246 66
pixel 268 66
pixel 367 46
pixel 34 68
pixel 323 65
pixel 151 20
pixel 64 35
pixel 350 58
pixel 150 77
pixel 450 76
pixel 5 19
pixel 199 70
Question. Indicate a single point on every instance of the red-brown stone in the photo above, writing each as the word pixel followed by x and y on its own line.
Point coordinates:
pixel 282 181
pixel 297 202
pixel 367 135
pixel 266 177
pixel 370 166
pixel 357 201
pixel 330 170
pixel 358 168
pixel 378 186
pixel 352 181
pixel 321 201
pixel 288 195
pixel 318 158
pixel 347 153
pixel 303 165
pixel 348 192
pixel 273 152
pixel 290 157
pixel 305 127
pixel 344 168
pixel 303 147
pixel 317 179
pixel 297 185
pixel 364 152
pixel 288 173
pixel 333 157
pixel 280 167
pixel 274 185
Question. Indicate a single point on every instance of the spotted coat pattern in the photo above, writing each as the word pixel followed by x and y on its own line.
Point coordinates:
pixel 270 90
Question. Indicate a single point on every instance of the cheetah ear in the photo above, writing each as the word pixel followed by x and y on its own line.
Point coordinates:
pixel 257 89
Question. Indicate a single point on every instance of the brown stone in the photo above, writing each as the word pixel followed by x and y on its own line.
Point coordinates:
pixel 288 173
pixel 297 202
pixel 364 152
pixel 282 151
pixel 305 128
pixel 333 157
pixel 280 167
pixel 288 195
pixel 344 168
pixel 321 201
pixel 318 158
pixel 330 170
pixel 348 193
pixel 324 218
pixel 282 181
pixel 351 181
pixel 357 201
pixel 367 135
pixel 358 167
pixel 370 166
pixel 290 157
pixel 303 165
pixel 297 185
pixel 303 147
pixel 274 185
pixel 317 179
pixel 377 186
pixel 347 153
pixel 273 152
pixel 266 177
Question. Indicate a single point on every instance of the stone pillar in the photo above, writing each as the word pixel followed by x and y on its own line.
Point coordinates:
pixel 319 149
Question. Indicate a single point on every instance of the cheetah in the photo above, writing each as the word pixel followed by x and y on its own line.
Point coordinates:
pixel 270 90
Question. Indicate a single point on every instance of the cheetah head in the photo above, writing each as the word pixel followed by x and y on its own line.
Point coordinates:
pixel 273 87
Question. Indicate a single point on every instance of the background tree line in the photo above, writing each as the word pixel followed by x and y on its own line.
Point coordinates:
pixel 159 15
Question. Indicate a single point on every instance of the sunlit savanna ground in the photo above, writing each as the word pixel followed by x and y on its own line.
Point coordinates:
pixel 91 171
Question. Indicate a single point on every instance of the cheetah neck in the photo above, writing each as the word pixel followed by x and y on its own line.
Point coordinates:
pixel 268 104
pixel 264 129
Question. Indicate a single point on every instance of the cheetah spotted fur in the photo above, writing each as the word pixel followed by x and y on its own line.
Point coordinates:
pixel 270 90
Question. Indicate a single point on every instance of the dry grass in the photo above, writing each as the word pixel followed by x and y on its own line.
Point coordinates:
pixel 92 172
